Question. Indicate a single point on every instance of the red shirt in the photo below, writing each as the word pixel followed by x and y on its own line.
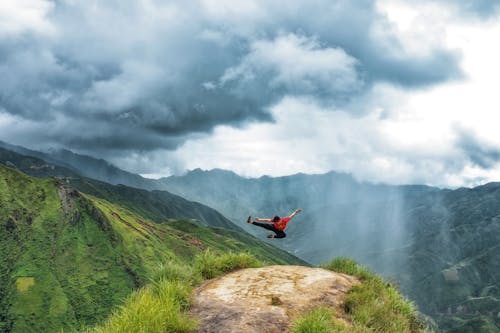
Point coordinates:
pixel 281 224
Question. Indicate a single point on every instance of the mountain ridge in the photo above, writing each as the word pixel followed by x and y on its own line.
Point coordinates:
pixel 161 204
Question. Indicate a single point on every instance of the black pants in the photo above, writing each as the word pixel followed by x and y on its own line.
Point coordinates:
pixel 269 226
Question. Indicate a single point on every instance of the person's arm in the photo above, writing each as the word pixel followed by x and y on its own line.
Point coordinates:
pixel 258 219
pixel 298 210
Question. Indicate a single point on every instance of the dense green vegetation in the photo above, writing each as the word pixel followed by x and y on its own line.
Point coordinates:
pixel 162 305
pixel 68 258
pixel 372 306
pixel 37 247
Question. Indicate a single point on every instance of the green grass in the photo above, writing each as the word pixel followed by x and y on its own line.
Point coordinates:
pixel 211 265
pixel 318 320
pixel 372 306
pixel 161 307
pixel 24 283
pixel 349 266
pixel 158 308
pixel 173 271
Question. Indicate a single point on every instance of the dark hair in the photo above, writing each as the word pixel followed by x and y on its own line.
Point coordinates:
pixel 276 218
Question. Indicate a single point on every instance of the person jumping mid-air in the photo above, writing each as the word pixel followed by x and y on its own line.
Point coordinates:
pixel 276 224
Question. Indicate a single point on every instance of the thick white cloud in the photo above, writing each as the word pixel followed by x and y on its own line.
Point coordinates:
pixel 309 138
pixel 20 16
pixel 297 64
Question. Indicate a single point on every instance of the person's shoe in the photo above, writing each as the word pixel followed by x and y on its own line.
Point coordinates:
pixel 249 220
pixel 270 236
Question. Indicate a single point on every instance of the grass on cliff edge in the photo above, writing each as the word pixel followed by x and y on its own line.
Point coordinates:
pixel 372 306
pixel 162 305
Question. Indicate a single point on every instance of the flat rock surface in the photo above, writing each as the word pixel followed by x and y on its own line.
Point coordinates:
pixel 266 300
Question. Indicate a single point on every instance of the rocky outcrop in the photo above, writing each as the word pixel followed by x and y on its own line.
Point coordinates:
pixel 258 300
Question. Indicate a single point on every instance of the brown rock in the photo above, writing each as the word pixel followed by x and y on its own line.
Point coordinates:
pixel 266 300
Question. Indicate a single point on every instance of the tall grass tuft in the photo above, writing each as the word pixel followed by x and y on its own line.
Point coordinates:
pixel 348 266
pixel 173 271
pixel 159 307
pixel 374 305
pixel 151 310
pixel 316 321
pixel 211 265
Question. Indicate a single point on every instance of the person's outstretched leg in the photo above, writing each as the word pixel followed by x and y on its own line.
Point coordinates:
pixel 267 226
pixel 280 234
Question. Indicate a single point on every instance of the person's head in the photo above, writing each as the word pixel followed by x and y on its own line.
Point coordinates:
pixel 276 218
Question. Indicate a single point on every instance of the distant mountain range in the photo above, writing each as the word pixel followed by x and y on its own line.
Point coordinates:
pixel 86 166
pixel 441 246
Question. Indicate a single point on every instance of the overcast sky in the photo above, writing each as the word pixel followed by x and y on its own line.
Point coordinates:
pixel 390 90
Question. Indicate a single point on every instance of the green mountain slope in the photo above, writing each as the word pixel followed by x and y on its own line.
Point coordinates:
pixel 67 258
pixel 454 262
pixel 156 205
pixel 85 166
pixel 34 166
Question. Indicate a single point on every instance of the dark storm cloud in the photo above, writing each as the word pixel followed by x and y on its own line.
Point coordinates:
pixel 132 75
pixel 479 153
